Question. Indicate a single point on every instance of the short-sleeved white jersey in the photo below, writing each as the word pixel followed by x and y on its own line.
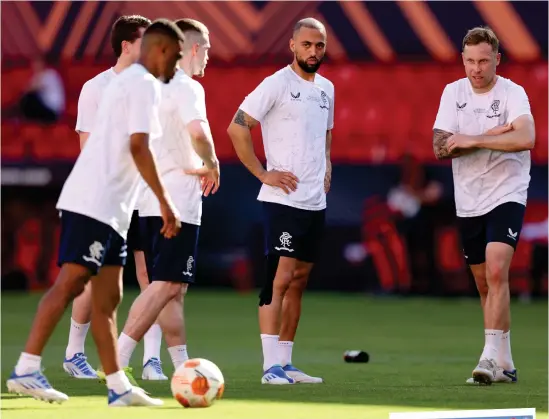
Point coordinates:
pixel 183 101
pixel 89 99
pixel 103 183
pixel 485 178
pixel 294 115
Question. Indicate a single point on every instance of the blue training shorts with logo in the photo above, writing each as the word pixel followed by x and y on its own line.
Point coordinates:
pixel 293 232
pixel 174 259
pixel 90 243
pixel 503 225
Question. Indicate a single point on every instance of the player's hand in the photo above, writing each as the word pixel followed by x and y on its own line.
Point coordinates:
pixel 209 179
pixel 284 180
pixel 501 129
pixel 460 141
pixel 171 223
pixel 328 177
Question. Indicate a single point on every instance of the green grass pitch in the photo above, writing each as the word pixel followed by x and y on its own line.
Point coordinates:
pixel 421 353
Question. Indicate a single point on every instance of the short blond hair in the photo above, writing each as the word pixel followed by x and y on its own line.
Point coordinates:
pixel 479 35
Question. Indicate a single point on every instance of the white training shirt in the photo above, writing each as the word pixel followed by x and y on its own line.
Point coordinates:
pixel 103 183
pixel 294 115
pixel 486 178
pixel 89 99
pixel 183 101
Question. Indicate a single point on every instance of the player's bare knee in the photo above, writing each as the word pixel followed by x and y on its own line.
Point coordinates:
pixel 77 286
pixel 482 284
pixel 110 300
pixel 299 280
pixel 282 282
pixel 482 290
pixel 497 273
pixel 72 285
pixel 169 289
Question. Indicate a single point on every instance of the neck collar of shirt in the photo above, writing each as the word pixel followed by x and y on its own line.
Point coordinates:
pixel 299 77
pixel 485 93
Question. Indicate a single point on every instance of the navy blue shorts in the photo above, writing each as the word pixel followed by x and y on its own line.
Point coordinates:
pixel 503 225
pixel 293 232
pixel 172 259
pixel 134 236
pixel 90 243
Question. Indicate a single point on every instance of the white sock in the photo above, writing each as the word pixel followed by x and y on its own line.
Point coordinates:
pixel 178 354
pixel 126 346
pixel 492 339
pixel 270 351
pixel 77 339
pixel 505 358
pixel 153 342
pixel 28 364
pixel 285 352
pixel 118 382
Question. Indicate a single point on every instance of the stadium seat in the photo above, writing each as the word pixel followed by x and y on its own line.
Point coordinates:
pixel 369 117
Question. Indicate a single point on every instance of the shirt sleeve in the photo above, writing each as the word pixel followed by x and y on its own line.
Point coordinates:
pixel 258 103
pixel 87 108
pixel 446 119
pixel 191 104
pixel 143 103
pixel 517 103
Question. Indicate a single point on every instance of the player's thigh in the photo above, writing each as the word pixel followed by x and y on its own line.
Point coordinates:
pixel 285 229
pixel 174 260
pixel 472 231
pixel 311 244
pixel 311 241
pixel 504 224
pixel 83 245
pixel 503 231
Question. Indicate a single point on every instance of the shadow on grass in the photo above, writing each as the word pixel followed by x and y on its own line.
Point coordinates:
pixel 433 395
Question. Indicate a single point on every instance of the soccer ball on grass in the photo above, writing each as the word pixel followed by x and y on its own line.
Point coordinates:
pixel 197 383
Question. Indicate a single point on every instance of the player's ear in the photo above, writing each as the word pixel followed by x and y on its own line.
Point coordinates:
pixel 498 58
pixel 463 58
pixel 292 45
pixel 194 50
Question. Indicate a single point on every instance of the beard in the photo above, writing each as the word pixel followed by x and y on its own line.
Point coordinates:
pixel 306 67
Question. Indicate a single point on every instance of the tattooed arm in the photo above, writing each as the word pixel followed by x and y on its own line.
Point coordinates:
pixel 239 131
pixel 440 146
pixel 328 176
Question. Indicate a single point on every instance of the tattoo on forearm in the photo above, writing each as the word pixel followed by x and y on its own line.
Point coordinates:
pixel 440 140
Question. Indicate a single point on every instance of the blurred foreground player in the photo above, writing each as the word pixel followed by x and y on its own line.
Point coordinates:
pixel 185 156
pixel 484 124
pixel 126 36
pixel 295 107
pixel 95 219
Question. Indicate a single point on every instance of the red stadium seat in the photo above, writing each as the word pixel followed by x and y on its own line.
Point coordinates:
pixel 381 111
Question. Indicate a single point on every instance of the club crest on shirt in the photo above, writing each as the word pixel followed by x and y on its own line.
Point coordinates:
pixel 494 107
pixel 324 103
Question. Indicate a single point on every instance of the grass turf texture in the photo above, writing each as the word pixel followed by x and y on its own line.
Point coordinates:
pixel 421 353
